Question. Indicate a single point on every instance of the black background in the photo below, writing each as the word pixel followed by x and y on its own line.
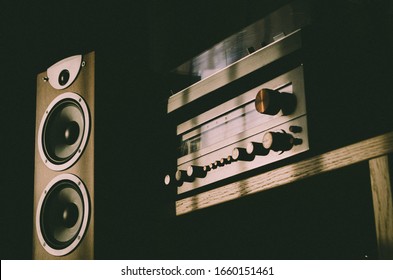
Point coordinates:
pixel 145 39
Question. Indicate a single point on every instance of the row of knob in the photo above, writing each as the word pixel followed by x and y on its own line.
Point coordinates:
pixel 275 141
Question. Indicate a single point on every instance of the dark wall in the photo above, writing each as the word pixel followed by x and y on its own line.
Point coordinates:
pixel 328 216
pixel 182 29
pixel 140 41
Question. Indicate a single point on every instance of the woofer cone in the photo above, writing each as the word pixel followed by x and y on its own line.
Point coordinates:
pixel 63 131
pixel 62 214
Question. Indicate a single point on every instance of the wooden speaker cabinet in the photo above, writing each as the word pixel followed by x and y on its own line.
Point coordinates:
pixel 64 161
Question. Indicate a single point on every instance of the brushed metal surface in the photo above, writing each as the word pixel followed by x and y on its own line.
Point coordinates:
pixel 212 135
pixel 284 46
pixel 294 78
pixel 238 167
pixel 263 32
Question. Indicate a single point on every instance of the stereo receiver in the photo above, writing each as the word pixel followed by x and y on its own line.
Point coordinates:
pixel 261 126
pixel 287 82
pixel 254 123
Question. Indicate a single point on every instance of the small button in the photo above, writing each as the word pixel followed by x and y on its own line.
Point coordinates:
pixel 295 129
pixel 226 160
pixel 219 163
pixel 212 165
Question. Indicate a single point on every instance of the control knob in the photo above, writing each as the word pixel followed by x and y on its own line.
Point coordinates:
pixel 196 171
pixel 206 168
pixel 182 176
pixel 170 180
pixel 279 141
pixel 270 102
pixel 257 149
pixel 212 165
pixel 241 154
pixel 226 160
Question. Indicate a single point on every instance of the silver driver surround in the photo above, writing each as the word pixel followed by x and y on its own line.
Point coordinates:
pixel 73 150
pixel 80 188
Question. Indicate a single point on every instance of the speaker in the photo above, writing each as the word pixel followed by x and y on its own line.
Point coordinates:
pixel 63 226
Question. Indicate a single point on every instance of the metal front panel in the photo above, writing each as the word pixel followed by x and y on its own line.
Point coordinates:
pixel 241 68
pixel 268 30
pixel 238 167
pixel 235 123
pixel 243 108
pixel 212 144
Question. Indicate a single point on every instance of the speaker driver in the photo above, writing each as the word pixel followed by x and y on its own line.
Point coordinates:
pixel 63 131
pixel 62 214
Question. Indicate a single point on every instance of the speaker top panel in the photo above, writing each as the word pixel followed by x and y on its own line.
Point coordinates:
pixel 63 73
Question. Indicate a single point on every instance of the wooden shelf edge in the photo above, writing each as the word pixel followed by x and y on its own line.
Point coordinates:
pixel 361 151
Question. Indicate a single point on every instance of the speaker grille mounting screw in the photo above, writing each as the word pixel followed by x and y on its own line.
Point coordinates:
pixel 83 63
pixel 45 79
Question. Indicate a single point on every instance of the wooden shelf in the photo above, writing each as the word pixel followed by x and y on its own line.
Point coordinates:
pixel 375 150
pixel 362 151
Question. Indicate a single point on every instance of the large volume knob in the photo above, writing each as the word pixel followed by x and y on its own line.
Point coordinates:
pixel 278 141
pixel 270 102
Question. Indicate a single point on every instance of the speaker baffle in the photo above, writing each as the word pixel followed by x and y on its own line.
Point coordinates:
pixel 63 131
pixel 62 214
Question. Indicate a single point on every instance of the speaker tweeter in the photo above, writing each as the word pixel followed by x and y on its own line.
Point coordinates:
pixel 62 74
